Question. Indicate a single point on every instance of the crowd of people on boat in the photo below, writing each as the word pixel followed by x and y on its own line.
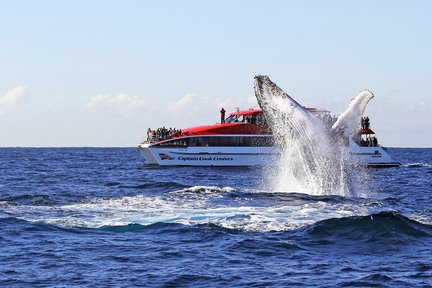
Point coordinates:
pixel 162 133
pixel 365 142
pixel 369 142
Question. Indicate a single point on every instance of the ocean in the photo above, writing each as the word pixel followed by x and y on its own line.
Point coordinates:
pixel 100 217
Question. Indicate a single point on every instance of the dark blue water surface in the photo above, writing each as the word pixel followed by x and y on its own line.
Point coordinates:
pixel 99 217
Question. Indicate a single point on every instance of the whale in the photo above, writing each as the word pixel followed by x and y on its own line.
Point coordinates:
pixel 287 118
pixel 313 159
pixel 347 122
pixel 271 99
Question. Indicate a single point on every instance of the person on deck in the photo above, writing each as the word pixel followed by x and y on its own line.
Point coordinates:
pixel 367 123
pixel 222 113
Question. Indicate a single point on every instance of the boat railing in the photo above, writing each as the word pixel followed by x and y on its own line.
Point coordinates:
pixel 153 139
pixel 370 142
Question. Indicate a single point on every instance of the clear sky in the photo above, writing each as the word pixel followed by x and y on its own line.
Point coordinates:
pixel 99 73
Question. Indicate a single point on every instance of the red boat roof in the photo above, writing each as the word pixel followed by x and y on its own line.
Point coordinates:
pixel 251 111
pixel 255 111
pixel 226 129
pixel 365 131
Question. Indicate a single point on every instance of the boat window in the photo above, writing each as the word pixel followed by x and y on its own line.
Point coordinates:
pixel 197 141
pixel 232 118
pixel 219 141
pixel 231 141
pixel 257 119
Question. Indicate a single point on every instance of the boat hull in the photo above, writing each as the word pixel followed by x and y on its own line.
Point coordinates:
pixel 208 156
pixel 372 156
pixel 375 157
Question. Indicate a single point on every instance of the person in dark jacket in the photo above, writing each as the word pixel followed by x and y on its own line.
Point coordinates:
pixel 366 123
pixel 222 113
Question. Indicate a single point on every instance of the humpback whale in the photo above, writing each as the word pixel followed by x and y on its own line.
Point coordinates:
pixel 313 159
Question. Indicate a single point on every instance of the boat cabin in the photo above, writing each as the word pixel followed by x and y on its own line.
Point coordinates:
pixel 217 141
pixel 251 116
pixel 233 132
pixel 364 137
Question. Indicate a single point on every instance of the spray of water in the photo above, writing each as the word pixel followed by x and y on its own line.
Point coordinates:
pixel 314 159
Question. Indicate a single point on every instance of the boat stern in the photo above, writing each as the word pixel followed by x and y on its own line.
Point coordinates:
pixel 144 149
pixel 372 156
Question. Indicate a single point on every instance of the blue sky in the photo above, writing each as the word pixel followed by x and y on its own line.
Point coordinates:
pixel 99 73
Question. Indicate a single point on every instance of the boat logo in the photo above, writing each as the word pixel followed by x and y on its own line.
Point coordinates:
pixel 164 156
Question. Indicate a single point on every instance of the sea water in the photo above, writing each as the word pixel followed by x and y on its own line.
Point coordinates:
pixel 100 217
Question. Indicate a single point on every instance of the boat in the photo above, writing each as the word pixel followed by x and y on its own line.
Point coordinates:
pixel 243 139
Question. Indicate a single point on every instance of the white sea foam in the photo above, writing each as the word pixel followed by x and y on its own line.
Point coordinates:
pixel 421 217
pixel 213 190
pixel 240 213
pixel 418 164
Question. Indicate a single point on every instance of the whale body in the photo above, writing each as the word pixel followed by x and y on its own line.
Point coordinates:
pixel 314 159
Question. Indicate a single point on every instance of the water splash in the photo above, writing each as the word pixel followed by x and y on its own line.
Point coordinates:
pixel 228 207
pixel 314 159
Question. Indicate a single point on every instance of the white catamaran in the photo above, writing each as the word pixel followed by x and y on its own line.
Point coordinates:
pixel 243 140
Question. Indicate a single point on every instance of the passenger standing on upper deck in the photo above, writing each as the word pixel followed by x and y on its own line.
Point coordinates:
pixel 222 113
pixel 367 123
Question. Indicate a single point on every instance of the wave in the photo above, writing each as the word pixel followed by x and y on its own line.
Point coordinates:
pixel 39 199
pixel 223 206
pixel 7 203
pixel 322 221
pixel 132 227
pixel 152 185
pixel 204 190
pixel 158 228
pixel 33 199
pixel 372 280
pixel 418 165
pixel 387 227
pixel 226 207
pixel 36 225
